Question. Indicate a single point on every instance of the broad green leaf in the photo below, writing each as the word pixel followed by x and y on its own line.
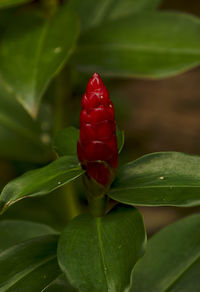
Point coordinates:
pixel 27 263
pixel 19 134
pixel 158 179
pixel 172 260
pixel 60 284
pixel 93 13
pixel 41 47
pixel 98 254
pixel 38 278
pixel 8 3
pixel 41 181
pixel 65 141
pixel 14 231
pixel 154 45
pixel 122 8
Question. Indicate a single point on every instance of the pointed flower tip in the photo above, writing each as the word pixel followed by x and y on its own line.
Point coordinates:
pixel 96 75
pixel 94 83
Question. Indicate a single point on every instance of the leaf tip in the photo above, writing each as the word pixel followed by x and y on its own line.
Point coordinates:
pixel 3 207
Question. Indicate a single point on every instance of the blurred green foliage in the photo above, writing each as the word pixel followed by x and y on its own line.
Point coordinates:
pixel 47 51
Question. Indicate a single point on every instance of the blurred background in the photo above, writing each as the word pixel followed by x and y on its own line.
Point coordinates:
pixel 157 115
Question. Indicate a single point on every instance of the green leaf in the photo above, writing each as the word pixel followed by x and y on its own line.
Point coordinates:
pixel 42 46
pixel 14 231
pixel 18 129
pixel 172 260
pixel 65 141
pixel 122 8
pixel 8 3
pixel 41 181
pixel 98 254
pixel 27 263
pixel 120 139
pixel 154 45
pixel 159 179
pixel 60 284
pixel 93 13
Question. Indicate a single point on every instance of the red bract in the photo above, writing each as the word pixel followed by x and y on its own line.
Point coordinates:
pixel 97 146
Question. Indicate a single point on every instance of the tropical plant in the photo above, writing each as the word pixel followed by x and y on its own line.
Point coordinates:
pixel 47 51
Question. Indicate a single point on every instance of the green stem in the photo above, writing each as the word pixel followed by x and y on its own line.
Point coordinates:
pixel 62 101
pixel 97 205
pixel 96 196
pixel 70 201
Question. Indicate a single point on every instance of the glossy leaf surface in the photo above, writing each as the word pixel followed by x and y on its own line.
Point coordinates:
pixel 14 231
pixel 153 45
pixel 18 129
pixel 41 181
pixel 172 259
pixel 93 13
pixel 98 254
pixel 158 179
pixel 27 263
pixel 41 46
pixel 59 284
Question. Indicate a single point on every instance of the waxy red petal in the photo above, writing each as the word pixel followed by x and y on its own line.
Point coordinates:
pixel 98 140
pixel 94 83
pixel 99 172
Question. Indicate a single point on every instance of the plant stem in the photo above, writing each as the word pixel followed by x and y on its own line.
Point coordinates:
pixel 70 201
pixel 62 101
pixel 96 196
pixel 97 205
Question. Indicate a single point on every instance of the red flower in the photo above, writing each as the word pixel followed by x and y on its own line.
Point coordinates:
pixel 97 146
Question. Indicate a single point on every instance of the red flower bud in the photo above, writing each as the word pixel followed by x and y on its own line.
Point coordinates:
pixel 97 146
